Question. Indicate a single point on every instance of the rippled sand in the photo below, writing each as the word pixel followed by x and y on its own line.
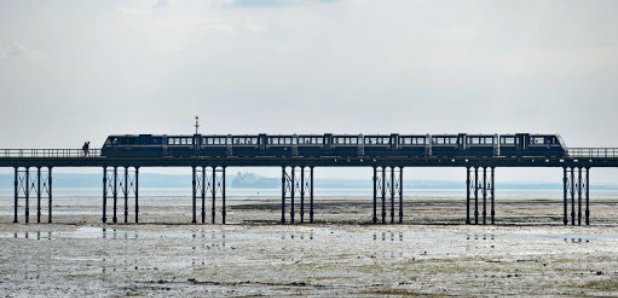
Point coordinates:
pixel 354 259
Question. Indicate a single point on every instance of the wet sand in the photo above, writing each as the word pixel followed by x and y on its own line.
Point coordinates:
pixel 529 253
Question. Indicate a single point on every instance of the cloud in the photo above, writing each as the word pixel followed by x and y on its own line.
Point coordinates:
pixel 274 3
pixel 252 26
pixel 20 51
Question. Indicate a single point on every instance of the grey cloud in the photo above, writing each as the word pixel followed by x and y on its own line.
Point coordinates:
pixel 18 50
pixel 276 3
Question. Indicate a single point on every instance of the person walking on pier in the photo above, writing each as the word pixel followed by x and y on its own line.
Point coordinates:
pixel 86 148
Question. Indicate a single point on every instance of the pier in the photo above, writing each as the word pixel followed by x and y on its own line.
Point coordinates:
pixel 33 181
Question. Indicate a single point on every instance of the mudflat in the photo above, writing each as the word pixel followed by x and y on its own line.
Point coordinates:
pixel 528 253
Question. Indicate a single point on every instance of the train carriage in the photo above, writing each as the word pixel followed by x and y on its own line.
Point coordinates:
pixel 379 145
pixel 413 145
pixel 447 145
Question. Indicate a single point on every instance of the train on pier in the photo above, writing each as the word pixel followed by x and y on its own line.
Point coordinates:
pixel 338 145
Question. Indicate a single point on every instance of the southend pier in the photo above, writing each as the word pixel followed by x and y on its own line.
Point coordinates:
pixel 208 157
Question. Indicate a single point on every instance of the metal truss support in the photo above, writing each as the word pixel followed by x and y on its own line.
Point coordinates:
pixel 209 181
pixel 128 185
pixel 480 181
pixel 576 186
pixel 296 180
pixel 388 181
pixel 26 184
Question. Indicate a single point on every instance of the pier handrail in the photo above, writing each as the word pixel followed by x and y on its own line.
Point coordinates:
pixel 49 153
pixel 593 152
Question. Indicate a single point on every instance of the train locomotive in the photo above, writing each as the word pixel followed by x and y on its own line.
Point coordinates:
pixel 349 145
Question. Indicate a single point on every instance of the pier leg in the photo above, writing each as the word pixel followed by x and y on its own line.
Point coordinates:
pixel 587 196
pixel 203 195
pixel 573 196
pixel 484 195
pixel 223 210
pixel 126 195
pixel 115 218
pixel 400 195
pixel 49 194
pixel 283 184
pixel 383 192
pixel 565 179
pixel 136 194
pixel 493 195
pixel 38 195
pixel 311 195
pixel 27 195
pixel 104 217
pixel 468 195
pixel 476 195
pixel 213 212
pixel 392 195
pixel 16 193
pixel 292 188
pixel 579 196
pixel 193 198
pixel 302 194
pixel 375 195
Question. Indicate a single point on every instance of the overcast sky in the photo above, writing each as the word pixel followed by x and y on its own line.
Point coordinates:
pixel 72 71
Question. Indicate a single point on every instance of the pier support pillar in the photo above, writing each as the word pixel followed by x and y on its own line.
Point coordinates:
pixel 311 195
pixel 468 185
pixel 572 170
pixel 205 185
pixel 388 182
pixel 136 192
pixel 16 194
pixel 127 184
pixel 37 184
pixel 222 191
pixel 587 196
pixel 213 194
pixel 375 196
pixel 484 195
pixel 302 195
pixel 383 194
pixel 476 195
pixel 115 193
pixel 209 180
pixel 284 188
pixel 125 192
pixel 193 197
pixel 27 190
pixel 565 181
pixel 493 195
pixel 297 180
pixel 38 195
pixel 400 180
pixel 105 187
pixel 49 195
pixel 579 196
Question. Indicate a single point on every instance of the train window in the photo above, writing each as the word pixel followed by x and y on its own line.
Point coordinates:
pixel 538 140
pixel 507 140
